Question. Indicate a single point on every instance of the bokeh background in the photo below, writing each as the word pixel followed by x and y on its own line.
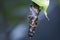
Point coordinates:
pixel 14 22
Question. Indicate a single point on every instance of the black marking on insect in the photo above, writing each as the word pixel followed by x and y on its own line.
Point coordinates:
pixel 33 18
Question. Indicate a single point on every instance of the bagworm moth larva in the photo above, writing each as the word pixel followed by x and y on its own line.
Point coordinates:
pixel 33 18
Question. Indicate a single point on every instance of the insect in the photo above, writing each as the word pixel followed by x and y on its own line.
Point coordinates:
pixel 35 8
pixel 33 18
